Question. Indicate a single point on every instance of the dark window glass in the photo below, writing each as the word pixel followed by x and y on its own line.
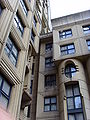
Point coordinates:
pixel 11 51
pixel 65 34
pixel 49 62
pixel 32 35
pixel 67 49
pixel 24 7
pixel 50 80
pixel 31 86
pixel 88 44
pixel 1 9
pixel 48 47
pixel 74 104
pixel 70 70
pixel 86 29
pixel 5 89
pixel 33 69
pixel 50 104
pixel 19 24
pixel 34 21
pixel 28 112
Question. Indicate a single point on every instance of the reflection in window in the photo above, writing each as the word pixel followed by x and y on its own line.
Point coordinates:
pixel 5 89
pixel 74 104
pixel 49 62
pixel 50 104
pixel 70 70
pixel 48 47
pixel 11 51
pixel 67 49
pixel 65 34
pixel 88 44
pixel 86 29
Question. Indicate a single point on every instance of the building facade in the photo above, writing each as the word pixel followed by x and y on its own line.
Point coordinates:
pixel 64 70
pixel 21 22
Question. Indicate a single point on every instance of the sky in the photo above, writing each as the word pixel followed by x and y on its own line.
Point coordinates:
pixel 61 8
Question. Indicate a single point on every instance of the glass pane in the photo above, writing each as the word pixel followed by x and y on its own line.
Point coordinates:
pixel 73 74
pixel 70 103
pixel 68 32
pixel 71 117
pixel 3 101
pixel 77 102
pixel 6 88
pixel 15 52
pixel 87 32
pixel 47 100
pixel 73 69
pixel 7 50
pixel 13 60
pixel 64 48
pixel 53 107
pixel 71 51
pixel 76 90
pixel 88 42
pixel 64 53
pixel 69 92
pixel 47 108
pixel 53 100
pixel 88 47
pixel 70 46
pixel 0 80
pixel 79 116
pixel 9 43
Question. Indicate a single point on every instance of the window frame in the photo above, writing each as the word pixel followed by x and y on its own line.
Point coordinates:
pixel 51 81
pixel 67 49
pixel 24 7
pixel 86 28
pixel 3 92
pixel 74 111
pixel 50 104
pixel 10 49
pixel 48 47
pixel 88 44
pixel 70 72
pixel 50 63
pixel 19 24
pixel 64 34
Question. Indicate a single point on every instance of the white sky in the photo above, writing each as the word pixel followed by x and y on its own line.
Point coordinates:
pixel 65 7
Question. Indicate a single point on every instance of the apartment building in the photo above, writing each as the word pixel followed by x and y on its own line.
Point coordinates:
pixel 21 22
pixel 64 70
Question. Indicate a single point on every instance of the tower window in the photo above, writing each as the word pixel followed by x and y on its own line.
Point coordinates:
pixel 86 29
pixel 70 70
pixel 88 44
pixel 65 34
pixel 24 7
pixel 74 103
pixel 48 47
pixel 49 62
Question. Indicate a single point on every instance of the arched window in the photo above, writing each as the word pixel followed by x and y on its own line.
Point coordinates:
pixel 70 70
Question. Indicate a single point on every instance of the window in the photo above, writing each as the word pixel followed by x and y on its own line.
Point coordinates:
pixel 5 90
pixel 70 70
pixel 67 49
pixel 86 29
pixel 48 47
pixel 11 51
pixel 50 104
pixel 65 34
pixel 31 86
pixel 33 69
pixel 74 104
pixel 49 62
pixel 28 111
pixel 34 21
pixel 32 35
pixel 50 80
pixel 1 9
pixel 24 7
pixel 19 24
pixel 88 44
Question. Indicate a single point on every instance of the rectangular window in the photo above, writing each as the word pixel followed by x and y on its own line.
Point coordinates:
pixel 50 104
pixel 1 9
pixel 88 44
pixel 19 24
pixel 74 103
pixel 65 34
pixel 50 80
pixel 11 50
pixel 48 47
pixel 24 7
pixel 49 62
pixel 31 86
pixel 34 21
pixel 5 90
pixel 86 29
pixel 33 69
pixel 32 35
pixel 67 49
